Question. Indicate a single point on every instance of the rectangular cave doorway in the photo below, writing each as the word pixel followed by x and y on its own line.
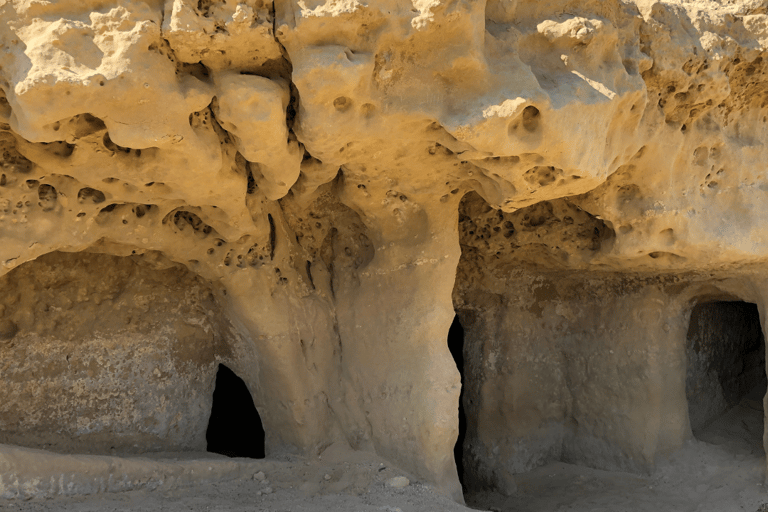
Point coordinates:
pixel 235 428
pixel 726 379
pixel 456 346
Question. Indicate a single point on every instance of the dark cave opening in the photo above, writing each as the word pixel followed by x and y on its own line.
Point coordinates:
pixel 456 346
pixel 726 379
pixel 235 428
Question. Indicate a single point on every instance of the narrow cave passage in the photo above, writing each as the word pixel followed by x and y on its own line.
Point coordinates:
pixel 235 428
pixel 726 379
pixel 456 346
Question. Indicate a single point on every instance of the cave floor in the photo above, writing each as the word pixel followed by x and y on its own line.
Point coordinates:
pixel 723 470
pixel 340 480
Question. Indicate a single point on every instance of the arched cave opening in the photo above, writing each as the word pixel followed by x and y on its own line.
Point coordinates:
pixel 456 346
pixel 235 428
pixel 726 379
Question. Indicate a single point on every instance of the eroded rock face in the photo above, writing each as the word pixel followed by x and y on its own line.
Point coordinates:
pixel 571 177
pixel 105 354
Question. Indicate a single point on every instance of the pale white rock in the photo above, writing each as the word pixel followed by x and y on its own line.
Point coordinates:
pixel 398 482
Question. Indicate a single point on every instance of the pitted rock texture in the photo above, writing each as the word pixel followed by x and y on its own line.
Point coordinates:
pixel 342 176
pixel 102 354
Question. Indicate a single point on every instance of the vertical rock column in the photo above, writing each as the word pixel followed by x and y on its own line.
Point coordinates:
pixel 394 315
pixel 288 353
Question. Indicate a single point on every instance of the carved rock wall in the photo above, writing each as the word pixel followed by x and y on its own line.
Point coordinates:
pixel 343 175
pixel 108 355
pixel 600 367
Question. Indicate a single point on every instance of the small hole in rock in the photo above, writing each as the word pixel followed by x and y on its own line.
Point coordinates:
pixel 342 103
pixel 531 116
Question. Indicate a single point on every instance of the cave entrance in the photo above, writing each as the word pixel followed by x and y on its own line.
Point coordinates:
pixel 235 428
pixel 456 346
pixel 726 379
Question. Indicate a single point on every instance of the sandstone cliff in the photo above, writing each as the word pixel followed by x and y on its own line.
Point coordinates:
pixel 309 191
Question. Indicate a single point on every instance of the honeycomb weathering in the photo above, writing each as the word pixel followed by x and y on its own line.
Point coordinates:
pixel 309 192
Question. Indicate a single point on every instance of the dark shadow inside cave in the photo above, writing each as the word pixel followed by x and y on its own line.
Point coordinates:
pixel 456 346
pixel 726 379
pixel 235 428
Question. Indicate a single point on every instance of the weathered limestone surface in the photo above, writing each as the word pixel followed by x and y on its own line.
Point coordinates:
pixel 102 354
pixel 308 190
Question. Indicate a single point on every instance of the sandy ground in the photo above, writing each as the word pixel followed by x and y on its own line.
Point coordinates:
pixel 723 470
pixel 339 480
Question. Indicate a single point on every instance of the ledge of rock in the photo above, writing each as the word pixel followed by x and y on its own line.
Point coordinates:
pixel 308 193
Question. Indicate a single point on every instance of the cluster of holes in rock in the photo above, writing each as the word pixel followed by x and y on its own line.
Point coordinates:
pixel 183 219
pixel 241 254
pixel 543 175
pixel 747 81
pixel 394 194
pixel 726 338
pixel 683 103
pixel 255 256
pixel 311 230
pixel 499 232
pixel 710 181
pixel 343 104
pixel 200 118
pixel 234 428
